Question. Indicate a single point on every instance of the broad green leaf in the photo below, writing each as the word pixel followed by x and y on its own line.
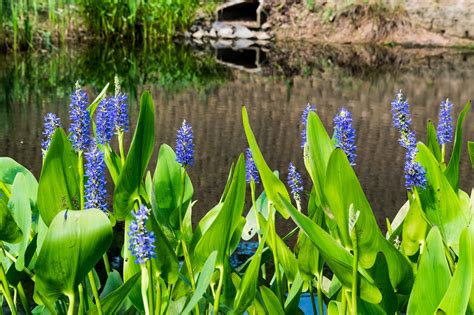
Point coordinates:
pixel 112 160
pixel 20 206
pixel 129 183
pixel 452 171
pixel 294 295
pixel 271 301
pixel 112 303
pixel 333 307
pixel 470 148
pixel 318 150
pixel 167 188
pixel 430 286
pixel 342 189
pixel 456 299
pixel 251 226
pixel 439 201
pixel 9 168
pixel 271 183
pixel 114 281
pixel 432 141
pixel 218 236
pixel 414 229
pixel 75 242
pixel 202 283
pixel 9 230
pixel 248 286
pixel 59 181
pixel 337 257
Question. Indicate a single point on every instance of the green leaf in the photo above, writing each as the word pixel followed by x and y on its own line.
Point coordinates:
pixel 167 188
pixel 452 171
pixel 470 148
pixel 337 257
pixel 112 303
pixel 271 301
pixel 129 183
pixel 74 243
pixel 430 287
pixel 342 189
pixel 248 286
pixel 456 299
pixel 9 230
pixel 20 206
pixel 59 180
pixel 271 183
pixel 218 236
pixel 9 168
pixel 166 263
pixel 414 229
pixel 439 201
pixel 432 140
pixel 93 106
pixel 202 283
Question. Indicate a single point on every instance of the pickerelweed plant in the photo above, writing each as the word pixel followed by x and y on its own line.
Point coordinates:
pixel 55 233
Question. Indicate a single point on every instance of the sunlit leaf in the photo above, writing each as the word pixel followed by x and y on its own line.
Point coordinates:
pixel 271 301
pixel 9 230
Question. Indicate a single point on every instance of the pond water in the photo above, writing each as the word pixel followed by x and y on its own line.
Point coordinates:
pixel 207 87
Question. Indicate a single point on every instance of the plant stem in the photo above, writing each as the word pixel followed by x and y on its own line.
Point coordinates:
pixel 121 149
pixel 6 290
pixel 254 204
pixel 80 167
pixel 313 304
pixel 443 152
pixel 106 263
pixel 275 255
pixel 320 294
pixel 81 299
pixel 355 264
pixel 218 292
pixel 23 298
pixel 344 302
pixel 145 288
pixel 158 296
pixel 72 301
pixel 95 293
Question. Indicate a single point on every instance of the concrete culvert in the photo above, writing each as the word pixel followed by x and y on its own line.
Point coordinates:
pixel 242 12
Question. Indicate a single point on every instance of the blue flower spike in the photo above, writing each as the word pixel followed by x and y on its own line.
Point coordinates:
pixel 106 119
pixel 80 120
pixel 304 122
pixel 121 108
pixel 51 123
pixel 251 172
pixel 295 182
pixel 445 123
pixel 185 145
pixel 141 241
pixel 345 134
pixel 95 187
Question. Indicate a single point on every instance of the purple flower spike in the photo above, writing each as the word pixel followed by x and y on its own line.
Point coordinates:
pixel 184 145
pixel 295 182
pixel 141 241
pixel 445 124
pixel 51 122
pixel 80 120
pixel 345 134
pixel 304 122
pixel 95 191
pixel 251 172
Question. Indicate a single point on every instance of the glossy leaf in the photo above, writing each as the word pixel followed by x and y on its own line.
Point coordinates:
pixel 271 301
pixel 74 243
pixel 20 206
pixel 337 257
pixel 9 230
pixel 218 236
pixel 439 201
pixel 272 184
pixel 129 183
pixel 59 181
pixel 456 299
pixel 452 171
pixel 342 189
pixel 430 287
pixel 415 228
pixel 112 303
pixel 167 188
pixel 202 283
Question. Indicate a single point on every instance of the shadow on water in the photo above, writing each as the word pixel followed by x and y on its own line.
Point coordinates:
pixel 207 86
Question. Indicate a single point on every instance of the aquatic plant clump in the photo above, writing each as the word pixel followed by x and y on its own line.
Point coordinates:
pixel 51 123
pixel 141 239
pixel 95 186
pixel 185 145
pixel 80 120
pixel 342 262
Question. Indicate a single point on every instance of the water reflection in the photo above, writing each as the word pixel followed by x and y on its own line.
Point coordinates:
pixel 196 84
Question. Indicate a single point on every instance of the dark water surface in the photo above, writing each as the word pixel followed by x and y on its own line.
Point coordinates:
pixel 208 88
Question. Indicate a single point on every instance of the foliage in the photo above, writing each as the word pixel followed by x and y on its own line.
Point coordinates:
pixel 424 263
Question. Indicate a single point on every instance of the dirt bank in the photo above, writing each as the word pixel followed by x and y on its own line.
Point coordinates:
pixel 357 23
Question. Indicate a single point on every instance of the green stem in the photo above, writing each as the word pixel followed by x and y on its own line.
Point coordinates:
pixel 95 293
pixel 81 299
pixel 443 152
pixel 13 259
pixel 23 298
pixel 121 149
pixel 158 296
pixel 254 204
pixel 313 304
pixel 72 301
pixel 145 288
pixel 80 167
pixel 275 256
pixel 344 302
pixel 218 292
pixel 320 294
pixel 106 263
pixel 6 290
pixel 355 264
pixel 151 301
